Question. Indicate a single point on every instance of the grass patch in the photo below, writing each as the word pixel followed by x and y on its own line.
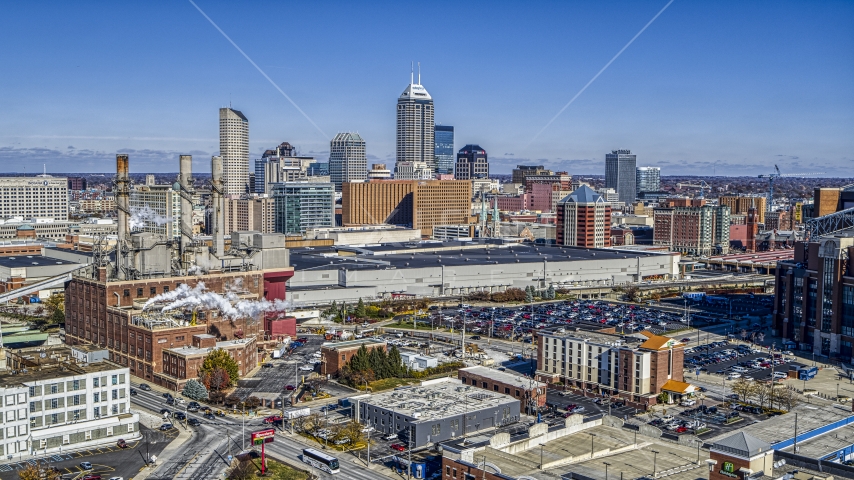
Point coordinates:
pixel 390 383
pixel 734 420
pixel 702 431
pixel 280 471
pixel 409 326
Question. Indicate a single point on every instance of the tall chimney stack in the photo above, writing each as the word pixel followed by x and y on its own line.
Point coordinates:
pixel 123 205
pixel 217 206
pixel 185 180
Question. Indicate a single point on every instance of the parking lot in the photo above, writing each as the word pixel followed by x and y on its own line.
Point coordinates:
pixel 590 404
pixel 107 461
pixel 284 372
pixel 519 322
pixel 733 362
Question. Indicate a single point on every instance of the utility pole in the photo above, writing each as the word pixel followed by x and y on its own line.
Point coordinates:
pixel 409 444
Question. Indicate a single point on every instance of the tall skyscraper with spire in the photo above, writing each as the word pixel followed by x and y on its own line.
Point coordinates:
pixel 234 149
pixel 415 125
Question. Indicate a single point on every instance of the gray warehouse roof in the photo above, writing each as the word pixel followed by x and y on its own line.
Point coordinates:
pixel 438 399
pixel 433 254
pixel 742 444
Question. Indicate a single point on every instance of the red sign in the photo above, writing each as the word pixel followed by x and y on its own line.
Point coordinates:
pixel 263 436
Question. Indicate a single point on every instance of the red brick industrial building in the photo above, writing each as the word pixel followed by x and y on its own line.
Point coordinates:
pixel 336 355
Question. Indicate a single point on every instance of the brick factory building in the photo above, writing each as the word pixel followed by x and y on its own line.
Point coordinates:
pixel 420 204
pixel 183 363
pixel 529 392
pixel 108 313
pixel 336 355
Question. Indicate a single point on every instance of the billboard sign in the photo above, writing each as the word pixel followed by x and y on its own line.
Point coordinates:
pixel 263 436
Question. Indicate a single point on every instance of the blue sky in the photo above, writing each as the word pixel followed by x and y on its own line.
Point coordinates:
pixel 725 87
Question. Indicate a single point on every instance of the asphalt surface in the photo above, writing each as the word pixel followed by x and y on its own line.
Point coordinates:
pixel 724 367
pixel 107 461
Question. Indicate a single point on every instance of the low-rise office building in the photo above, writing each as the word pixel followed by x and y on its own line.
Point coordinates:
pixel 183 363
pixel 65 406
pixel 436 410
pixel 335 355
pixel 530 393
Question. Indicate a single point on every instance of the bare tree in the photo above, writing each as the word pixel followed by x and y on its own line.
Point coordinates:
pixel 745 389
pixel 762 393
pixel 785 398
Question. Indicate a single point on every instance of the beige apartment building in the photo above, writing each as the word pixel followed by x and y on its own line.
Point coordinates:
pixel 250 214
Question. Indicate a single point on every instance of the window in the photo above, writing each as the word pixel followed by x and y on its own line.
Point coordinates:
pixel 115 379
pixel 138 292
pixel 127 292
pixel 115 394
pixel 54 388
pixel 32 391
pixel 54 403
pixel 54 419
pixel 96 382
pixel 153 291
pixel 96 397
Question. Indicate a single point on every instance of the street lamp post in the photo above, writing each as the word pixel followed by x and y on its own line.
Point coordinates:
pixel 606 469
pixel 654 460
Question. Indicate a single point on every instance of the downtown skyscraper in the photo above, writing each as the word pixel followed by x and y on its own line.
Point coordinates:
pixel 234 149
pixel 415 126
pixel 347 159
pixel 621 174
pixel 444 136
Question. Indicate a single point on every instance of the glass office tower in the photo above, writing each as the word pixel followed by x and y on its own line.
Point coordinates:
pixel 444 138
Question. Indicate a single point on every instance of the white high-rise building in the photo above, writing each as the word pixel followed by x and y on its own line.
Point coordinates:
pixel 34 197
pixel 415 126
pixel 412 171
pixel 234 149
pixel 648 179
pixel 347 159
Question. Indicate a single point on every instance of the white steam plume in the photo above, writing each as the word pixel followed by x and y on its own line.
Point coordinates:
pixel 139 217
pixel 230 305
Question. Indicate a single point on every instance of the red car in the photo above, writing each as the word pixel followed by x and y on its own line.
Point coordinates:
pixel 273 419
pixel 398 447
pixel 290 387
pixel 93 476
pixel 681 430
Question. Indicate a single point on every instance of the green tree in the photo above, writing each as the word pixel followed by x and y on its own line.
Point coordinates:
pixel 395 362
pixel 529 294
pixel 195 390
pixel 219 359
pixel 550 293
pixel 360 311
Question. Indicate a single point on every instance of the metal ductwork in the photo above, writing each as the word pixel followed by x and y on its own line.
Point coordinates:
pixel 217 206
pixel 122 191
pixel 185 183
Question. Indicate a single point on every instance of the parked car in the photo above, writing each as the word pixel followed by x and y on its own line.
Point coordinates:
pixel 121 443
pixel 267 365
pixel 86 465
pixel 688 403
pixel 91 476
pixel 290 387
pixel 167 426
pixel 398 447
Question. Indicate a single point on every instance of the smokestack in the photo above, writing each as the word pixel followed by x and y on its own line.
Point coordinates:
pixel 122 191
pixel 217 206
pixel 185 180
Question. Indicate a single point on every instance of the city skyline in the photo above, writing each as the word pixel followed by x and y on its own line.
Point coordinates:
pixel 701 91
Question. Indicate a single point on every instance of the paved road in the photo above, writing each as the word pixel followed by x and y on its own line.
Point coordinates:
pixel 291 449
pixel 204 455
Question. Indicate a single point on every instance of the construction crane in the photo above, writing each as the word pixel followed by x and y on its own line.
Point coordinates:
pixel 777 174
pixel 701 186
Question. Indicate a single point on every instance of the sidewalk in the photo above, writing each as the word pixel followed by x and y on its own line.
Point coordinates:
pixel 183 436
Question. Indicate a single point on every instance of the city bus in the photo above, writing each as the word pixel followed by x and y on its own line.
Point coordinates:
pixel 318 459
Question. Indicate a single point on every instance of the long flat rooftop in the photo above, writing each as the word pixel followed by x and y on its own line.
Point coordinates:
pixel 781 428
pixel 191 351
pixel 438 399
pixel 433 254
pixel 55 371
pixel 506 378
pixel 21 261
